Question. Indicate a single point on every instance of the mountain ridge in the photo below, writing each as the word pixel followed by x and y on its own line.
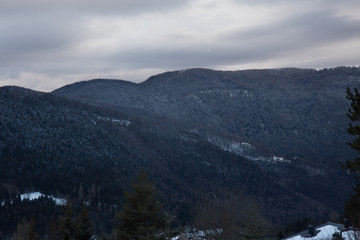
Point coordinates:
pixel 199 133
pixel 170 98
pixel 294 114
pixel 89 147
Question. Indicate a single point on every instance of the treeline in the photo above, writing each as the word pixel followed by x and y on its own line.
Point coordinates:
pixel 142 216
pixel 67 225
pixel 45 211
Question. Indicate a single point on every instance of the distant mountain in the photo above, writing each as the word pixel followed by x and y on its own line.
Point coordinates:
pixel 293 115
pixel 275 135
pixel 297 113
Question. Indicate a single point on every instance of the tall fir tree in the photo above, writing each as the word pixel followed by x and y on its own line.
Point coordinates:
pixel 53 229
pixel 142 216
pixel 84 228
pixel 67 226
pixel 352 206
pixel 33 234
pixel 22 231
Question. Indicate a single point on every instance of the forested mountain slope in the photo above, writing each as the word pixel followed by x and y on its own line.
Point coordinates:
pixel 299 113
pixel 293 115
pixel 275 135
pixel 63 147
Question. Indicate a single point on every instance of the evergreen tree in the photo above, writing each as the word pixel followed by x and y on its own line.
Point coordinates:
pixel 25 230
pixel 32 233
pixel 22 231
pixel 352 207
pixel 66 231
pixel 142 216
pixel 53 229
pixel 84 228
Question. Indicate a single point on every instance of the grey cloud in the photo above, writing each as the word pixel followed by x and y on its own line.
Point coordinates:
pixel 259 2
pixel 276 2
pixel 37 38
pixel 42 30
pixel 121 7
pixel 40 37
pixel 307 29
pixel 281 39
pixel 192 56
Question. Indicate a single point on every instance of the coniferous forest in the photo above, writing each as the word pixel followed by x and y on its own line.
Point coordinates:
pixel 211 142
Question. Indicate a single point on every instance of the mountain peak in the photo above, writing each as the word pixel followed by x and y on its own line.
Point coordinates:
pixel 16 91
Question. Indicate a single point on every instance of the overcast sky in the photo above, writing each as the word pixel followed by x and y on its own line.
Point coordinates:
pixel 45 44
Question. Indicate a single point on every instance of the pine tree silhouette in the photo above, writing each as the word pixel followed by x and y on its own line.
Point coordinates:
pixel 142 216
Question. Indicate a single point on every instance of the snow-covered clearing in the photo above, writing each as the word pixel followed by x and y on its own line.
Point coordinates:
pixel 35 195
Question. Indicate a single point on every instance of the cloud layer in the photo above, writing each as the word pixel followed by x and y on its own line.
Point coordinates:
pixel 46 44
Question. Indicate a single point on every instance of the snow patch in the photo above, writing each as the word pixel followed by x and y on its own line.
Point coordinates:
pixel 115 121
pixel 36 195
pixel 59 201
pixel 31 196
pixel 326 232
pixel 239 148
pixel 245 150
pixel 231 93
pixel 272 159
pixel 280 159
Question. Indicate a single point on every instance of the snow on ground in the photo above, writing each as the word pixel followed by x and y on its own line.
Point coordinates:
pixel 231 93
pixel 31 196
pixel 121 122
pixel 326 233
pixel 115 121
pixel 59 201
pixel 36 195
pixel 245 150
pixel 351 235
pixel 280 159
